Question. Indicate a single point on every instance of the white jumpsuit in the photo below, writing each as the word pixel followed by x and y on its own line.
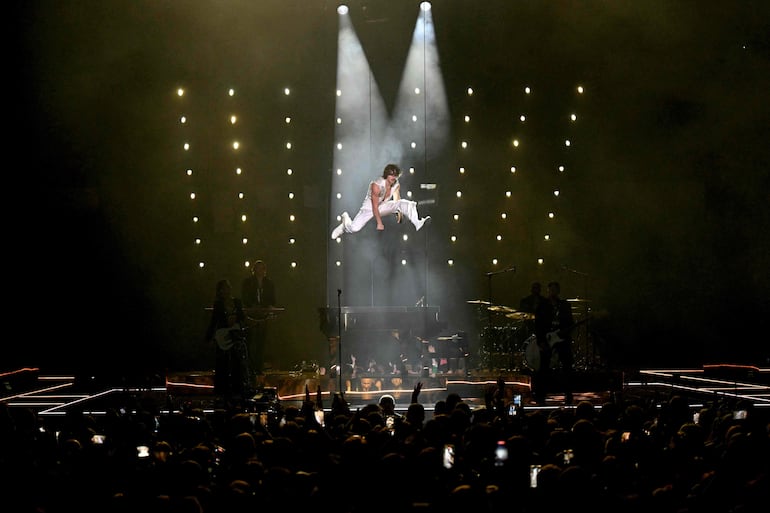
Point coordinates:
pixel 387 206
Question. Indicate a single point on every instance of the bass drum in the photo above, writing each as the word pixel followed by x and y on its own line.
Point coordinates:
pixel 532 353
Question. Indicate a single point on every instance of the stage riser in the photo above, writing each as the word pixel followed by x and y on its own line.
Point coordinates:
pixel 290 385
pixel 738 373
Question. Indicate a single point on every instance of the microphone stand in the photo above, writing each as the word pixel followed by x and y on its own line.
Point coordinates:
pixel 489 306
pixel 489 286
pixel 339 343
pixel 579 273
pixel 590 346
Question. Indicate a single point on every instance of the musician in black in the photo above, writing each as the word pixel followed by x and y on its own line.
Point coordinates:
pixel 527 308
pixel 530 303
pixel 258 295
pixel 553 328
pixel 227 333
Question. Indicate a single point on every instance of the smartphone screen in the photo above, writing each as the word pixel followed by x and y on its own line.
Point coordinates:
pixel 449 456
pixel 501 453
pixel 534 470
pixel 319 417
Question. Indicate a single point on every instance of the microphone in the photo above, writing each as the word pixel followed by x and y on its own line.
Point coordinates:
pixel 339 292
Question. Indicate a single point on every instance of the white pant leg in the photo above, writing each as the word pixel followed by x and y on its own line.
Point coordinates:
pixel 389 207
pixel 363 216
pixel 408 209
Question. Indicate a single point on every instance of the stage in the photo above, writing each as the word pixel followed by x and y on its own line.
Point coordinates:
pixel 53 396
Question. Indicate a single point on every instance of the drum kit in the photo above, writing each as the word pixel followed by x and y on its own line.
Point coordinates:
pixel 502 341
pixel 511 344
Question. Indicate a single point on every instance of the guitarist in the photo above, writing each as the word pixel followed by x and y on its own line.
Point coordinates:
pixel 553 327
pixel 227 332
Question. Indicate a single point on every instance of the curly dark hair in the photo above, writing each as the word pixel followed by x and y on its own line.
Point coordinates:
pixel 391 169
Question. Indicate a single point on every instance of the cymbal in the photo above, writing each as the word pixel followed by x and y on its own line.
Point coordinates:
pixel 521 316
pixel 263 309
pixel 501 309
pixel 579 300
pixel 477 302
pixel 257 309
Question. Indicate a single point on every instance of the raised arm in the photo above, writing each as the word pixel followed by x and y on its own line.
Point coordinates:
pixel 375 193
pixel 416 392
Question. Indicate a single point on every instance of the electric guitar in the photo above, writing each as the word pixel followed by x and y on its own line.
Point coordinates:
pixel 226 338
pixel 553 338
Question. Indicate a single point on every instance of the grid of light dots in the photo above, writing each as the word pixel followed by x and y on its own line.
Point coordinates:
pixel 290 172
pixel 235 145
pixel 570 119
pixel 516 141
pixel 338 146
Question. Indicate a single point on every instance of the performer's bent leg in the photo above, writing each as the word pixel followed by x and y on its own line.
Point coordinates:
pixel 409 209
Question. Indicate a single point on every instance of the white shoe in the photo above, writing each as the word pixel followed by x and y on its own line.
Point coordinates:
pixel 421 222
pixel 338 231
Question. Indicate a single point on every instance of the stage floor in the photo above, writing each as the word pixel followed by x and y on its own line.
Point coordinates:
pixel 53 396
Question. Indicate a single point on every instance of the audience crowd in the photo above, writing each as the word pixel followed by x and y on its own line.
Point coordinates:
pixel 625 455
